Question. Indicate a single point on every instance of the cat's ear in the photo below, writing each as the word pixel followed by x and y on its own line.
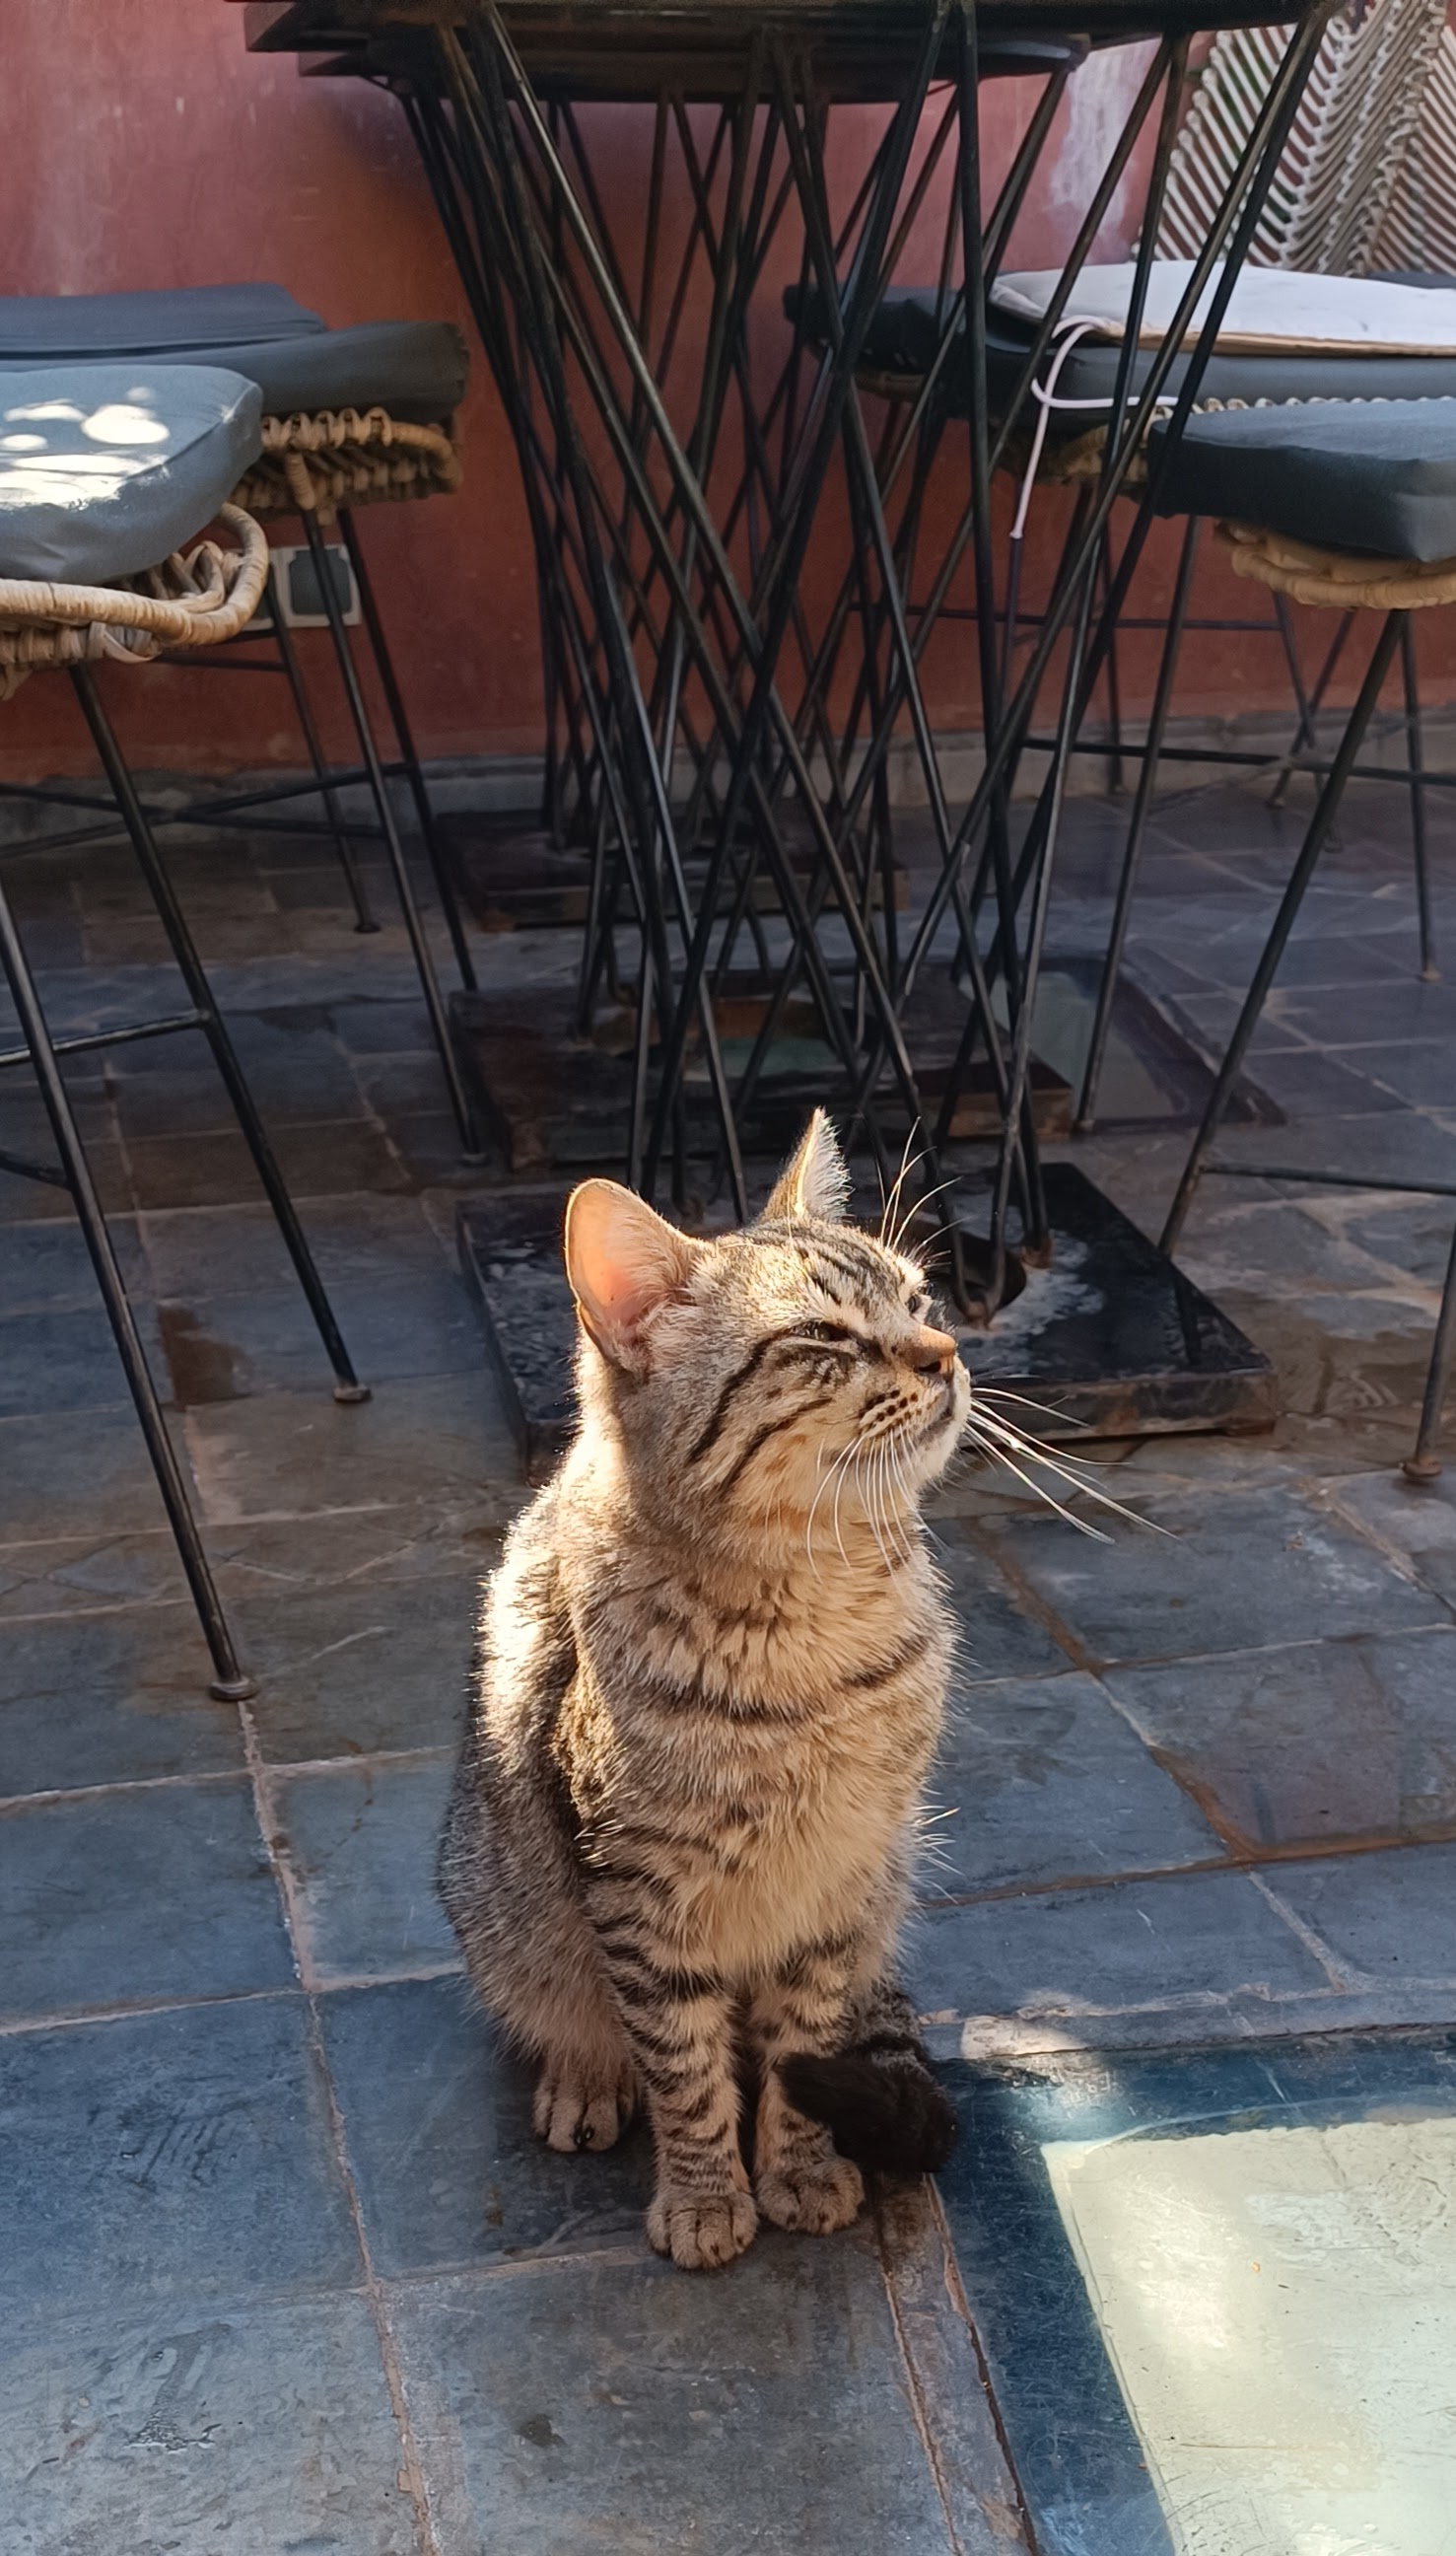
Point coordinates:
pixel 815 1180
pixel 623 1262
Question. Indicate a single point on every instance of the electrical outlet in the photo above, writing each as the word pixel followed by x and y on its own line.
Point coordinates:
pixel 297 580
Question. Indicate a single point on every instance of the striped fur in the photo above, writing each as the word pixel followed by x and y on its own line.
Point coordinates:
pixel 710 1677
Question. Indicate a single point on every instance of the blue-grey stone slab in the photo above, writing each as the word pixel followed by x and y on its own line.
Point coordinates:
pixel 1417 1520
pixel 281 1454
pixel 1388 1916
pixel 359 1666
pixel 1041 1779
pixel 361 1845
pixel 204 2428
pixel 109 1697
pixel 74 1474
pixel 357 1240
pixel 221 1346
pixel 613 2405
pixel 998 1637
pixel 47 1268
pixel 114 1897
pixel 182 2155
pixel 1194 1940
pixel 437 2131
pixel 1322 1739
pixel 1235 1571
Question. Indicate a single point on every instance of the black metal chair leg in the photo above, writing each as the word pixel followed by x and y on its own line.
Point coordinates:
pixel 347 1387
pixel 399 720
pixel 1425 1464
pixel 1325 811
pixel 1131 856
pixel 470 1144
pixel 230 1680
pixel 287 654
pixel 1415 767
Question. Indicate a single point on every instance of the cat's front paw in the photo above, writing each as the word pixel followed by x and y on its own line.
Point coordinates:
pixel 700 2231
pixel 572 2114
pixel 819 2194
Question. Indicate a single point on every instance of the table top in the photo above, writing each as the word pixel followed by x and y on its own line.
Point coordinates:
pixel 629 48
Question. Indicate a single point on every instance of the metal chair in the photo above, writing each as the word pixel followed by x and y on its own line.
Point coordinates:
pixel 351 417
pixel 1269 479
pixel 104 470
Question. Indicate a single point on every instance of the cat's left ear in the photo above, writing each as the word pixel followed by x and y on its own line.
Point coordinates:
pixel 815 1180
pixel 624 1263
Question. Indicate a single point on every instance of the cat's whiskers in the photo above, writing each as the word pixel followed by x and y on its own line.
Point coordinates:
pixel 901 1177
pixel 1036 1453
pixel 917 1206
pixel 998 1456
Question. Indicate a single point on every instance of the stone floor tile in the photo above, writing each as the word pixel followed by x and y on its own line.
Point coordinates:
pixel 220 1347
pixel 1373 1146
pixel 283 1455
pixel 204 2428
pixel 660 2433
pixel 1306 1083
pixel 1386 1015
pixel 1417 1521
pixel 1199 1942
pixel 371 1029
pixel 345 1671
pixel 75 1474
pixel 216 1169
pixel 1240 1570
pixel 80 1574
pixel 438 2133
pixel 109 1698
pixel 1382 1916
pixel 1037 1780
pixel 413 1541
pixel 1324 1740
pixel 136 1895
pixel 360 1845
pixel 47 1268
pixel 357 1239
pixel 182 2156
pixel 998 1638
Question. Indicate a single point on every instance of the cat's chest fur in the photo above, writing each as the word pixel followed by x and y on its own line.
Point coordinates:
pixel 781 1732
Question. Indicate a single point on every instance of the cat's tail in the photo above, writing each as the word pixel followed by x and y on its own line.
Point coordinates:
pixel 877 2097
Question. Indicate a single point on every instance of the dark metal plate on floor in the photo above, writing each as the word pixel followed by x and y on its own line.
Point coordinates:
pixel 554 1101
pixel 512 875
pixel 1111 1334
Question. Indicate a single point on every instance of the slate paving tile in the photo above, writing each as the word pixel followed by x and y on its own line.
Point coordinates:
pixel 220 1347
pixel 114 1897
pixel 70 1574
pixel 47 1268
pixel 357 1240
pixel 438 2133
pixel 1422 1073
pixel 1386 1015
pixel 109 1698
pixel 74 1474
pixel 1414 1520
pixel 360 1547
pixel 314 1083
pixel 180 2156
pixel 373 1029
pixel 1388 1916
pixel 217 1169
pixel 1373 1146
pixel 1092 1957
pixel 440 1439
pixel 1036 1779
pixel 1306 1083
pixel 657 2440
pixel 1231 1573
pixel 1328 1739
pixel 343 1672
pixel 998 1637
pixel 361 1843
pixel 207 2427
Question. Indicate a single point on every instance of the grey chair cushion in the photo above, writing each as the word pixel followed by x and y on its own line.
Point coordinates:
pixel 44 328
pixel 415 368
pixel 104 468
pixel 1378 479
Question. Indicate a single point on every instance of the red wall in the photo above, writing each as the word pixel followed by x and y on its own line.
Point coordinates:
pixel 141 145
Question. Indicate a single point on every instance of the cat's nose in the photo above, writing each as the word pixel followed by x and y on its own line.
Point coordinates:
pixel 931 1353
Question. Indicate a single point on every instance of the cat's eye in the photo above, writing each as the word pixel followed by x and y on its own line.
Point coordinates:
pixel 918 1307
pixel 834 1335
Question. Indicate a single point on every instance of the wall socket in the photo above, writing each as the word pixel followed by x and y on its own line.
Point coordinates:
pixel 297 581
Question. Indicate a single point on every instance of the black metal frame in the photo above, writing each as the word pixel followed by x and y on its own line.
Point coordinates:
pixel 1422 1464
pixel 244 810
pixel 44 1055
pixel 675 632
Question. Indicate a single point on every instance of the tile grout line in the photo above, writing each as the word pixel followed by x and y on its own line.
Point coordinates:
pixel 411 2474
pixel 284 1768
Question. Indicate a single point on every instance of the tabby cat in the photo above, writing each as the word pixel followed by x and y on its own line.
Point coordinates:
pixel 709 1680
